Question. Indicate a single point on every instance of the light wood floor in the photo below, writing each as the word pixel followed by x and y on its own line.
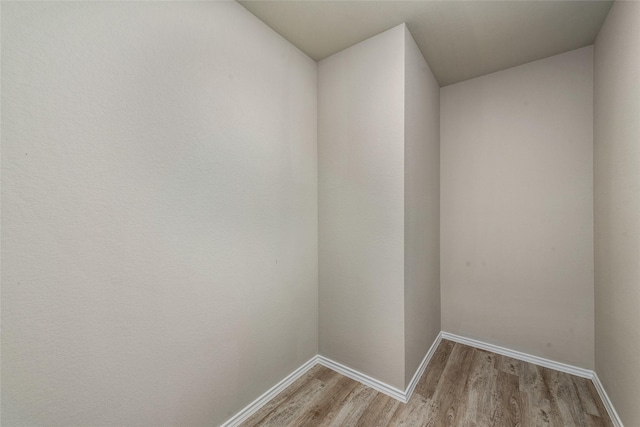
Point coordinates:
pixel 462 386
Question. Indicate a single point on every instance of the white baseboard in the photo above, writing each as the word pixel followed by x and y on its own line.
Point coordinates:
pixel 541 361
pixel 422 367
pixel 615 419
pixel 365 379
pixel 536 360
pixel 253 407
pixel 403 396
pixel 396 393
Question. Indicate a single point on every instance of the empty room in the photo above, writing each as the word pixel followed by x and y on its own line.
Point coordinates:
pixel 320 213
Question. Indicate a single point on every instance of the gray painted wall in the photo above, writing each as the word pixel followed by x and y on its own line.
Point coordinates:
pixel 421 207
pixel 517 208
pixel 159 212
pixel 361 206
pixel 160 221
pixel 378 142
pixel 617 208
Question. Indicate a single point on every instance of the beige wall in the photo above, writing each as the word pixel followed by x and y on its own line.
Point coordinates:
pixel 421 207
pixel 159 212
pixel 517 208
pixel 361 206
pixel 617 208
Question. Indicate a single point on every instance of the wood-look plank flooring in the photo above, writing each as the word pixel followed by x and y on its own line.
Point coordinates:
pixel 462 386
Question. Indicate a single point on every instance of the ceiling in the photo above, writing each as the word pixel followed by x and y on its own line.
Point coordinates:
pixel 459 39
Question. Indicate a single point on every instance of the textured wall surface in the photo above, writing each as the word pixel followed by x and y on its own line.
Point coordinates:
pixel 421 207
pixel 617 208
pixel 361 206
pixel 517 208
pixel 159 212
